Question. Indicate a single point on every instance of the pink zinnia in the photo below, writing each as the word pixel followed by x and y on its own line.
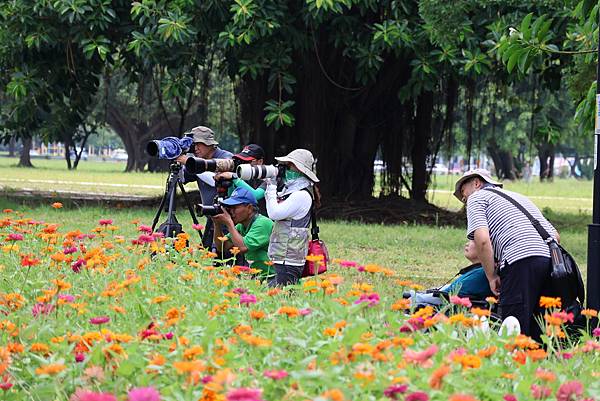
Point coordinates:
pixel 145 239
pixel 509 397
pixel 417 396
pixel 197 227
pixel 91 396
pixel 15 237
pixel 456 300
pixel 275 374
pixel 100 320
pixel 540 392
pixel 66 297
pixel 395 389
pixel 76 266
pixel 569 391
pixel 422 358
pixel 145 229
pixel 105 222
pixel 143 394
pixel 347 263
pixel 305 311
pixel 245 394
pixel 596 332
pixel 70 250
pixel 41 308
pixel 79 357
pixel 246 299
pixel 370 299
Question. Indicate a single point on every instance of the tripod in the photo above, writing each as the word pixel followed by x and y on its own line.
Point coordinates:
pixel 171 227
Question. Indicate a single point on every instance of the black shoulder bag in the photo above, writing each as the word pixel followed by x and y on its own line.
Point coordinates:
pixel 566 277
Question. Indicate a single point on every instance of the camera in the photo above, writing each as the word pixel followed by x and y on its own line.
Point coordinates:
pixel 169 148
pixel 197 165
pixel 209 210
pixel 248 172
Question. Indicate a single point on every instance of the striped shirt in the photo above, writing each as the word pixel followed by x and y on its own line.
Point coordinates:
pixel 512 235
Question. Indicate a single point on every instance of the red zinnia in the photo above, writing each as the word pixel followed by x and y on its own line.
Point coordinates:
pixel 100 320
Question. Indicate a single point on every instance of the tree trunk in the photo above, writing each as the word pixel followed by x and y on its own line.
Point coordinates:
pixel 470 111
pixel 343 127
pixel 12 144
pixel 546 156
pixel 25 159
pixel 420 149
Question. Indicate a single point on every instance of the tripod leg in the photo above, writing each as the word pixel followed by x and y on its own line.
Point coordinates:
pixel 189 206
pixel 162 204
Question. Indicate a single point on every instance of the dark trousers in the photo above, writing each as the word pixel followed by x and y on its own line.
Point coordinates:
pixel 521 285
pixel 285 275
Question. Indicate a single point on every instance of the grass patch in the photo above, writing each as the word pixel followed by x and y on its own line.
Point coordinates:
pixel 426 254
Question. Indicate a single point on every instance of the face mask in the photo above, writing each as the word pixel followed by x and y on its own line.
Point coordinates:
pixel 292 175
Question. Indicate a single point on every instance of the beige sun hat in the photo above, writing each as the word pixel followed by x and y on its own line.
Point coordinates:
pixel 479 172
pixel 203 135
pixel 303 160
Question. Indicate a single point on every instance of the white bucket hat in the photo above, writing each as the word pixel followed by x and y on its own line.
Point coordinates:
pixel 303 160
pixel 479 172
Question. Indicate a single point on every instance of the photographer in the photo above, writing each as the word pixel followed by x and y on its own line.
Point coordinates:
pixel 204 146
pixel 291 211
pixel 249 231
pixel 254 155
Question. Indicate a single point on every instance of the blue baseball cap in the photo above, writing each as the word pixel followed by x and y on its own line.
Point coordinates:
pixel 240 196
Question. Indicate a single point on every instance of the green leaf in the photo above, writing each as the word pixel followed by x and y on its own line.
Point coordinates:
pixel 525 29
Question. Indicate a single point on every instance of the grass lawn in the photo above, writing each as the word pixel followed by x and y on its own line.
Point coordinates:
pixel 428 255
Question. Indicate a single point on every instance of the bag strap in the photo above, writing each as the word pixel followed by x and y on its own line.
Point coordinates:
pixel 535 222
pixel 314 230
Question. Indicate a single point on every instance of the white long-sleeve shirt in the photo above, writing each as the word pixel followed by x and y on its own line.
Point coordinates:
pixel 295 207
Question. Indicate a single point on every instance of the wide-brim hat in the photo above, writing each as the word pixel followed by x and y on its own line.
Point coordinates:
pixel 303 160
pixel 203 135
pixel 479 172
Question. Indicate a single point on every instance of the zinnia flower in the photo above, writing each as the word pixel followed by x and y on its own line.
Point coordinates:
pixel 275 374
pixel 596 332
pixel 105 222
pixel 100 320
pixel 76 266
pixel 305 311
pixel 456 300
pixel 417 396
pixel 392 391
pixel 370 299
pixel 569 391
pixel 143 394
pixel 57 205
pixel 422 358
pixel 246 299
pixel 245 394
pixel 91 396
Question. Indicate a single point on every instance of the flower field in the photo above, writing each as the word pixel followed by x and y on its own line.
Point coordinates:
pixel 102 315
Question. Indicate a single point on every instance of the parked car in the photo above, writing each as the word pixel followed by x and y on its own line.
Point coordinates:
pixel 440 169
pixel 119 154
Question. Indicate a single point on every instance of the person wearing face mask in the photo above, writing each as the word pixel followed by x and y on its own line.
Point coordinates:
pixel 290 209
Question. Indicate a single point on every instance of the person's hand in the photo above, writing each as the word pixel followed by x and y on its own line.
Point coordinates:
pixel 226 175
pixel 495 284
pixel 223 218
pixel 182 159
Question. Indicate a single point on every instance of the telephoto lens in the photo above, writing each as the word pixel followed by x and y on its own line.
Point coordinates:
pixel 197 165
pixel 248 172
